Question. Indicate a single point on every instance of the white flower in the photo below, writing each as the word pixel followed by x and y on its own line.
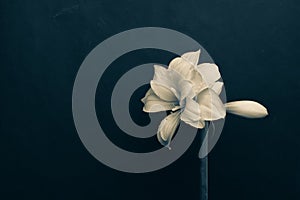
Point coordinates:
pixel 182 89
pixel 248 109
pixel 191 92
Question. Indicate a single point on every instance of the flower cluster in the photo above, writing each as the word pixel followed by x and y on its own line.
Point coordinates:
pixel 191 92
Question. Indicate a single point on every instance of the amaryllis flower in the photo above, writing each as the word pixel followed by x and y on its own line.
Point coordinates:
pixel 182 89
pixel 191 92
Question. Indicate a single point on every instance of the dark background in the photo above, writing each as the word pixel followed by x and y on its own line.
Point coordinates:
pixel 43 43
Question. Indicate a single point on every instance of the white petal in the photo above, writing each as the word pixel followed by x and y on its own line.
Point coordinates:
pixel 149 92
pixel 191 110
pixel 167 128
pixel 174 81
pixel 196 124
pixel 166 77
pixel 192 114
pixel 176 108
pixel 248 109
pixel 185 89
pixel 188 72
pixel 211 106
pixel 154 104
pixel 217 87
pixel 163 91
pixel 192 57
pixel 209 72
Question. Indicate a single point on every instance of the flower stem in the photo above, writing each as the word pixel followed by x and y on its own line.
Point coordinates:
pixel 204 167
pixel 204 178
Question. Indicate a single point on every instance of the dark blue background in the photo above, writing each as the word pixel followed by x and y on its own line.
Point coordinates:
pixel 255 43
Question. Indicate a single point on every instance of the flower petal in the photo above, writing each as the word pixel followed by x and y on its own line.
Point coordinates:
pixel 211 106
pixel 149 92
pixel 152 103
pixel 189 72
pixel 192 57
pixel 217 87
pixel 209 72
pixel 166 77
pixel 196 124
pixel 192 114
pixel 163 91
pixel 248 109
pixel 185 89
pixel 174 81
pixel 167 128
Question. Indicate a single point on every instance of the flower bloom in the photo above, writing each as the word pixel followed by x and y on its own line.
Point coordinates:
pixel 191 92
